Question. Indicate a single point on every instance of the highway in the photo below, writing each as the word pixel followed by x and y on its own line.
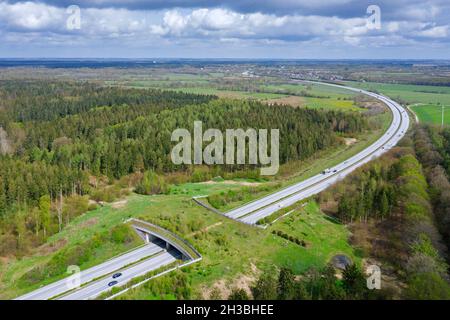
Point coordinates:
pixel 259 209
pixel 150 257
pixel 94 289
pixel 88 275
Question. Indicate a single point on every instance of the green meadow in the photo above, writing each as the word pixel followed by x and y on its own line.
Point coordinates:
pixel 432 113
pixel 425 101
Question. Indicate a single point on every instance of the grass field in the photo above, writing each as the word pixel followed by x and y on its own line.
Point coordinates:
pixel 228 247
pixel 409 93
pixel 313 96
pixel 425 101
pixel 432 113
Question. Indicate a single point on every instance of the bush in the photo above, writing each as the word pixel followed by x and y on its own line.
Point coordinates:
pixel 75 206
pixel 427 286
pixel 238 294
pixel 57 265
pixel 222 199
pixel 266 287
pixel 123 233
pixel 92 207
pixel 152 183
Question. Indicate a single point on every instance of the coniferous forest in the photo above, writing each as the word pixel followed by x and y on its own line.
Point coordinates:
pixel 59 138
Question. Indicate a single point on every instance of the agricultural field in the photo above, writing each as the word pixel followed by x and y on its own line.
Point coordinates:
pixel 268 90
pixel 432 113
pixel 425 101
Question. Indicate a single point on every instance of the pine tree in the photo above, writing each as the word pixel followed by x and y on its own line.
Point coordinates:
pixel 384 205
pixel 354 282
pixel 286 284
pixel 44 211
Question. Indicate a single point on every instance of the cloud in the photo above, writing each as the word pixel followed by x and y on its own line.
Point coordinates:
pixel 29 16
pixel 186 26
pixel 435 32
pixel 245 6
pixel 223 23
pixel 341 8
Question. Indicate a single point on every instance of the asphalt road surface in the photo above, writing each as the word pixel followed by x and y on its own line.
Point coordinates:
pixel 88 275
pixel 259 209
pixel 94 289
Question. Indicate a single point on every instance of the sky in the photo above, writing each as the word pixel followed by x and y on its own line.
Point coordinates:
pixel 288 29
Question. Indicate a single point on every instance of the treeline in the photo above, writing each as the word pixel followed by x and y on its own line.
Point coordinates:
pixel 272 284
pixel 432 146
pixel 118 140
pixel 51 100
pixel 23 183
pixel 63 140
pixel 440 139
pixel 384 189
pixel 29 226
pixel 398 199
pixel 315 284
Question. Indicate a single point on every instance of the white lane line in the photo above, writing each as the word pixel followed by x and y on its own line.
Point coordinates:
pixel 88 275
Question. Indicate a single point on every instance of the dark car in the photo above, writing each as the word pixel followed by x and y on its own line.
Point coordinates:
pixel 334 170
pixel 112 283
pixel 116 275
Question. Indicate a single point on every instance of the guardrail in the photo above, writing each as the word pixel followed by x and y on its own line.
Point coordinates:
pixel 152 277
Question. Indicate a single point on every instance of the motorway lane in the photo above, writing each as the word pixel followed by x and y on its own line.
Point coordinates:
pixel 266 206
pixel 94 289
pixel 90 274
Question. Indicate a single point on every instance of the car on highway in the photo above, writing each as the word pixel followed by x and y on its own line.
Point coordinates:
pixel 116 275
pixel 112 283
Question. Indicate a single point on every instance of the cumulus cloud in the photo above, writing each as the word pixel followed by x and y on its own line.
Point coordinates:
pixel 29 16
pixel 435 32
pixel 225 23
pixel 332 23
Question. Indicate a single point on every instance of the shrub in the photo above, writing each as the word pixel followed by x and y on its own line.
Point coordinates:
pixel 152 183
pixel 427 286
pixel 122 233
pixel 238 294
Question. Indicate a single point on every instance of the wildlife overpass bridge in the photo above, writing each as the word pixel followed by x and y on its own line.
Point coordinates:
pixel 153 233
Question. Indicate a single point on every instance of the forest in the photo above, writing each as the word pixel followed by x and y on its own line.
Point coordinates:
pixel 398 210
pixel 72 140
